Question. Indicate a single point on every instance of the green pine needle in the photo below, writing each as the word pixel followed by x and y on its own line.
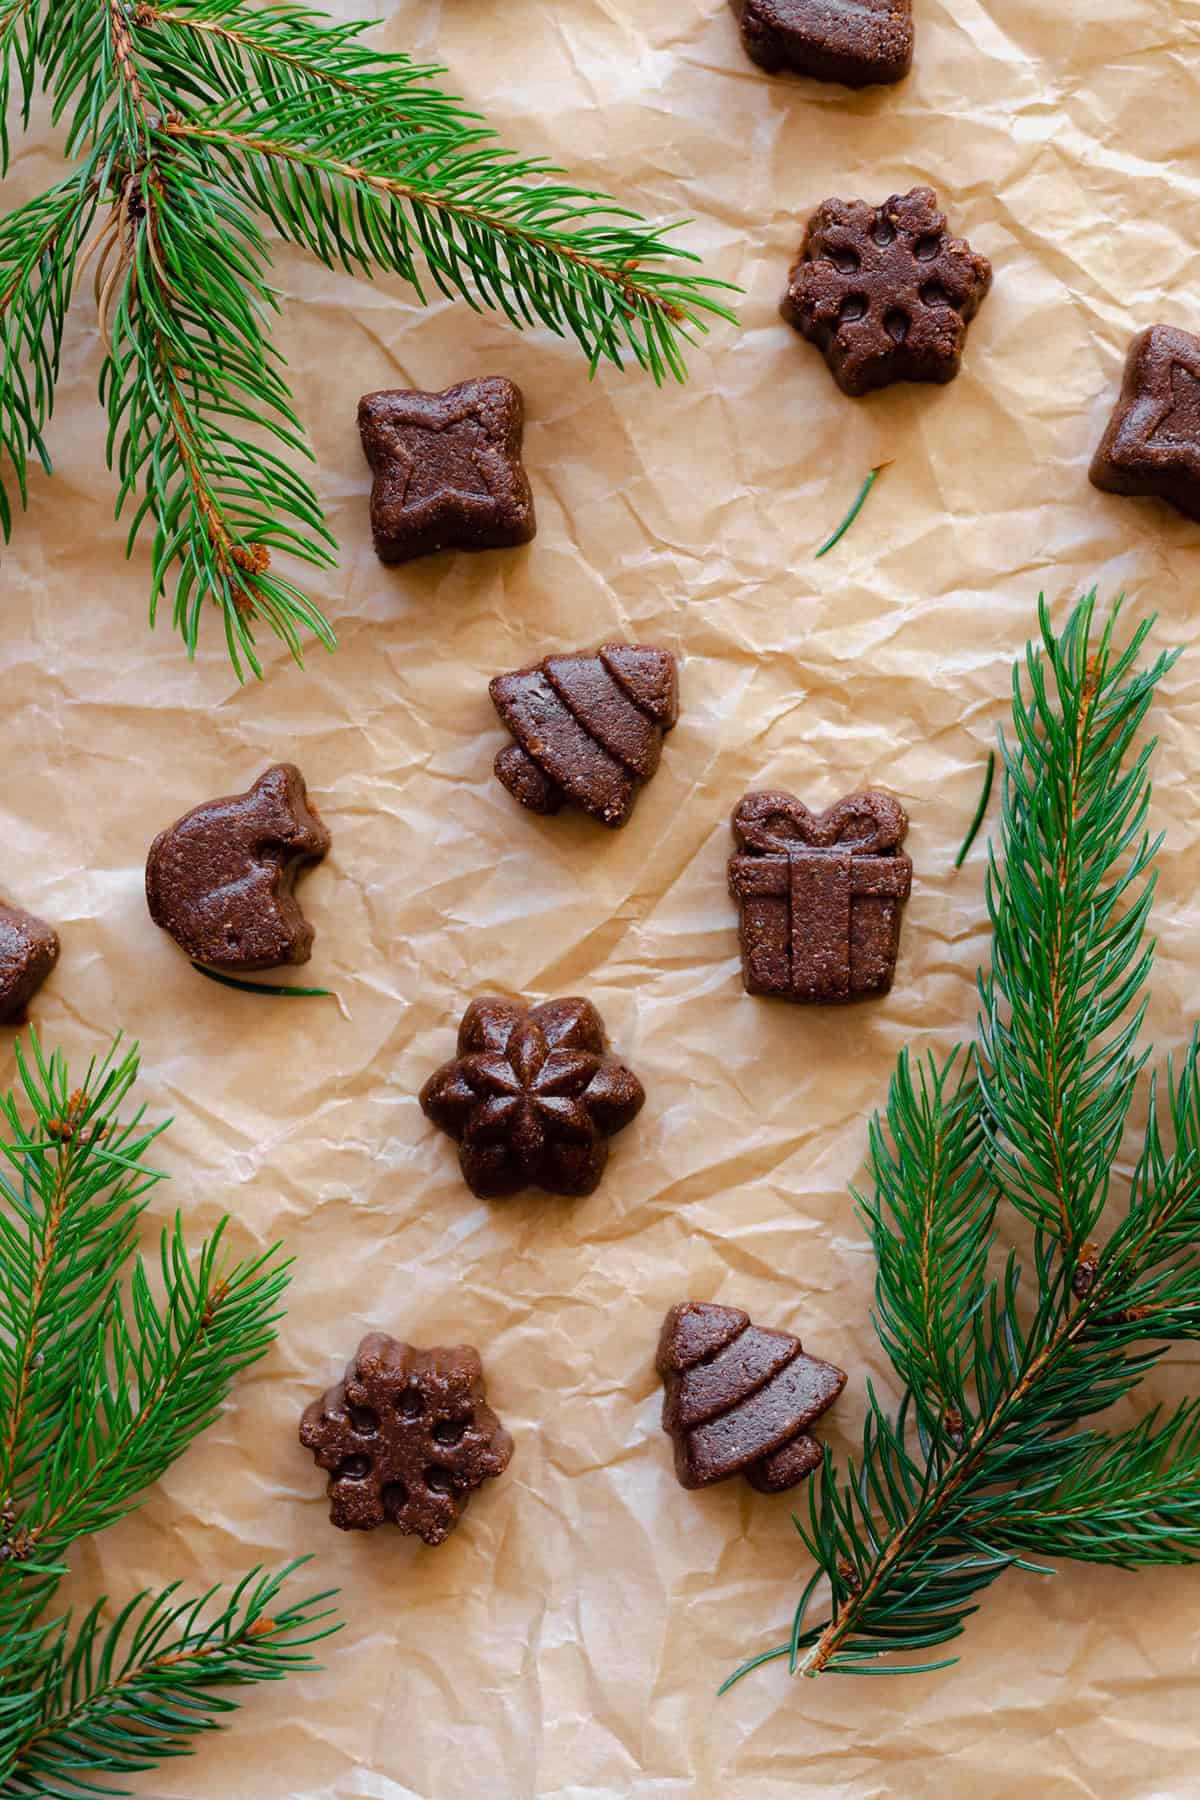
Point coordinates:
pixel 859 502
pixel 277 988
pixel 103 1384
pixel 989 777
pixel 990 1462
pixel 194 121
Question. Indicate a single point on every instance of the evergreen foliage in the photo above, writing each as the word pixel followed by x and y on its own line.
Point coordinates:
pixel 102 1387
pixel 193 122
pixel 994 1458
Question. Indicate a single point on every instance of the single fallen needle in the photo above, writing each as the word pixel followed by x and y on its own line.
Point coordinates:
pixel 271 987
pixel 850 517
pixel 980 810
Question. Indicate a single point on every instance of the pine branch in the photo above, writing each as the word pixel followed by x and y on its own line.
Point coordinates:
pixel 189 374
pixel 1132 1500
pixel 930 1218
pixel 18 65
pixel 39 250
pixel 928 1517
pixel 189 112
pixel 70 1199
pixel 116 1701
pixel 147 1385
pixel 98 1396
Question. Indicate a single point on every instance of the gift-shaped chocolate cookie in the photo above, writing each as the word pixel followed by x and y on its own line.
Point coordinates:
pixel 819 895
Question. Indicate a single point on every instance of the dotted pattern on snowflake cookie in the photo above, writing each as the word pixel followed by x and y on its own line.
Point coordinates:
pixel 885 292
pixel 407 1437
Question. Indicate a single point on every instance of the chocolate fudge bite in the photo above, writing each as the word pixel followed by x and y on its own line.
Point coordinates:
pixel 447 468
pixel 739 1400
pixel 884 292
pixel 28 952
pixel 588 728
pixel 221 879
pixel 819 895
pixel 1152 445
pixel 859 42
pixel 407 1437
pixel 532 1097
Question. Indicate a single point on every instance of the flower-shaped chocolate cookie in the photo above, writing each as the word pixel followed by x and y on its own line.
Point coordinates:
pixel 532 1097
pixel 884 292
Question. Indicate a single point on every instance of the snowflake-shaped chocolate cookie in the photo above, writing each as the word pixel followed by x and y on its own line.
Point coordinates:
pixel 407 1437
pixel 532 1097
pixel 884 292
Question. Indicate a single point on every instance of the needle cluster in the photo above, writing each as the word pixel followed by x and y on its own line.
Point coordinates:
pixel 995 1457
pixel 102 1386
pixel 194 125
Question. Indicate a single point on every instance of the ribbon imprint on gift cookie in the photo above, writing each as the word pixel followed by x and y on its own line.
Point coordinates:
pixel 819 894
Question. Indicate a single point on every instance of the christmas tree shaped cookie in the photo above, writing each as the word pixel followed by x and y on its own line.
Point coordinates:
pixel 739 1399
pixel 588 728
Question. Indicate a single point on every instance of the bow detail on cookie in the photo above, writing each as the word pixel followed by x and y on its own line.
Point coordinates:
pixel 774 824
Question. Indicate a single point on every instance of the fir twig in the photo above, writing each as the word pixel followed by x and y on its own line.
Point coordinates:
pixel 973 829
pixel 198 118
pixel 112 1701
pixel 276 988
pixel 859 502
pixel 99 1393
pixel 986 1464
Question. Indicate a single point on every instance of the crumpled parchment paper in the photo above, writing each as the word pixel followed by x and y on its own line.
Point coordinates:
pixel 568 1640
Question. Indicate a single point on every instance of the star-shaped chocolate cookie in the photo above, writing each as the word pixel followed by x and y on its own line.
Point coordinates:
pixel 447 468
pixel 532 1097
pixel 885 292
pixel 1152 445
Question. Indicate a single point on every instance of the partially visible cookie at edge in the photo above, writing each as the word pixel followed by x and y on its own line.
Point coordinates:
pixel 29 950
pixel 862 43
pixel 1151 447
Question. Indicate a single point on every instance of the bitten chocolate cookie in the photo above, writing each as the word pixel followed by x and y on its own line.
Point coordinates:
pixel 1152 445
pixel 859 42
pixel 28 951
pixel 738 1400
pixel 221 879
pixel 884 292
pixel 819 895
pixel 447 468
pixel 589 728
pixel 407 1436
pixel 532 1097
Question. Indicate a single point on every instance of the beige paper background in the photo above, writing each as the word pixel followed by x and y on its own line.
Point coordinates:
pixel 568 1640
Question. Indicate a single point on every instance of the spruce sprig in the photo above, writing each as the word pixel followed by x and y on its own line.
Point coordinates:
pixel 194 120
pixel 103 1383
pixel 1005 1356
